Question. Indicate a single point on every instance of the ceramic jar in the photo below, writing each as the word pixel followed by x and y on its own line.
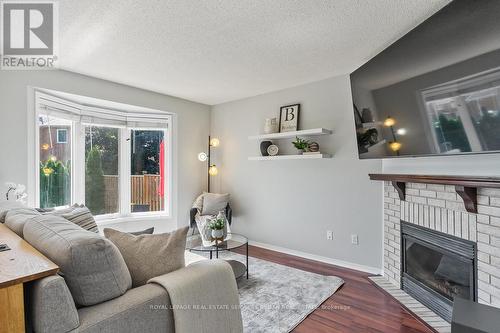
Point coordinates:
pixel 271 125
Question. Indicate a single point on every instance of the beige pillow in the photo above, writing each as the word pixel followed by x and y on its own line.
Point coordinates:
pixel 148 256
pixel 213 203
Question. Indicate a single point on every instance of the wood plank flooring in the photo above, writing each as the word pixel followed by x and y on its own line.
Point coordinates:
pixel 358 306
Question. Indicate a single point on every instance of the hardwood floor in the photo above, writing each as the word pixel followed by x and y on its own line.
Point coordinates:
pixel 358 306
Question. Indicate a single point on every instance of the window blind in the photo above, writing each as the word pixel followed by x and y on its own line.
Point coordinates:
pixel 99 116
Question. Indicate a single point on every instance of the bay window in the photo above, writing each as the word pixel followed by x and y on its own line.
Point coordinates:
pixel 116 162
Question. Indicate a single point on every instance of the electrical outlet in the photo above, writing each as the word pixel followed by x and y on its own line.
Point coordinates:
pixel 354 239
pixel 329 235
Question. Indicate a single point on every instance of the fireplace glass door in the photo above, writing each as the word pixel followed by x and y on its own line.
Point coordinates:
pixel 437 267
pixel 446 273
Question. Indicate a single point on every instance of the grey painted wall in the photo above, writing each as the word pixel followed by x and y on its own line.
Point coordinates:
pixel 192 129
pixel 292 203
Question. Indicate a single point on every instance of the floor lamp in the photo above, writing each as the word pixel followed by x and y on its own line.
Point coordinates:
pixel 395 145
pixel 202 157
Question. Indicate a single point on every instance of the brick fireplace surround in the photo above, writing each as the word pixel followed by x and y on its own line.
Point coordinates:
pixel 438 207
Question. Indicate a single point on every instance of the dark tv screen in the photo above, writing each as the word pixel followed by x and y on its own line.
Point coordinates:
pixel 435 91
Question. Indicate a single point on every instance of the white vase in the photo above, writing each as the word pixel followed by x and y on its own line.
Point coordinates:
pixel 271 126
pixel 217 234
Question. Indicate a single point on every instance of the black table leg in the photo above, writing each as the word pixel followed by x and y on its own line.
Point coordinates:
pixel 247 259
pixel 210 255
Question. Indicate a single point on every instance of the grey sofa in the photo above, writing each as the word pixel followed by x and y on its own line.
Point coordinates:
pixel 143 309
pixel 51 303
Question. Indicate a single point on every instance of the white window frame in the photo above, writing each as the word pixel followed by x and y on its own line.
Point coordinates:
pixel 78 162
pixel 453 89
pixel 57 135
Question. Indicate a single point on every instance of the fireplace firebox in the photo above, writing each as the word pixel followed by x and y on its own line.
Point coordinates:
pixel 437 267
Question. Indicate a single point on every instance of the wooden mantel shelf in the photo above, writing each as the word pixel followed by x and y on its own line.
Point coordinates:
pixel 465 186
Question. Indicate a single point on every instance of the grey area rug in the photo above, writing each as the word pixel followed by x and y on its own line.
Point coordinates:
pixel 277 298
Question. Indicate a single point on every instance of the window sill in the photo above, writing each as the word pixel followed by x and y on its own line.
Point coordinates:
pixel 104 221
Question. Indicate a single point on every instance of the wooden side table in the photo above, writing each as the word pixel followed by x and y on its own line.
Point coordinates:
pixel 19 265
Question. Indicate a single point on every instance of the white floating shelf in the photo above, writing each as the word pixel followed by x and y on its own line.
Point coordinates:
pixel 287 135
pixel 370 125
pixel 289 157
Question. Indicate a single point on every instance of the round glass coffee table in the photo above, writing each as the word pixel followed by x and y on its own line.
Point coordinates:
pixel 231 242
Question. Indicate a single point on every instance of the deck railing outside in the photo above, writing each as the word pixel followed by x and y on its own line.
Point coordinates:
pixel 144 193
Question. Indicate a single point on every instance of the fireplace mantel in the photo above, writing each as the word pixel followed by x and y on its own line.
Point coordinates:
pixel 465 186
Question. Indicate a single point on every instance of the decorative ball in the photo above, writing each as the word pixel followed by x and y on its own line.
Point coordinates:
pixel 313 147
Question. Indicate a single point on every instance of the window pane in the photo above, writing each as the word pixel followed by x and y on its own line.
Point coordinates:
pixel 101 170
pixel 55 162
pixel 484 111
pixel 147 164
pixel 448 126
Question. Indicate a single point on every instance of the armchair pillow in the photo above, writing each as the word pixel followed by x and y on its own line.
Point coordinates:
pixel 213 203
pixel 148 256
pixel 198 203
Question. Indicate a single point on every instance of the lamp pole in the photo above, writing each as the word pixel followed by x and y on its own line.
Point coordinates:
pixel 208 166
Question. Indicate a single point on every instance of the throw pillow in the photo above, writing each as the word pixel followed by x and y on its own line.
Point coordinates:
pixel 148 256
pixel 213 203
pixel 147 231
pixel 61 211
pixel 44 210
pixel 81 216
pixel 92 266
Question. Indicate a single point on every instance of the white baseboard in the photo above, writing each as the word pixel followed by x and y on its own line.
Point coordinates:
pixel 342 263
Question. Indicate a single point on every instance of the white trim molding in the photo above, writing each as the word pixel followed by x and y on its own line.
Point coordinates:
pixel 326 260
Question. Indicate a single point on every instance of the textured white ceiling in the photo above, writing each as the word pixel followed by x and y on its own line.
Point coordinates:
pixel 216 51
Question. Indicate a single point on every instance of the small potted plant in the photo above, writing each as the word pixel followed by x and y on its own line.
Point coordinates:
pixel 300 144
pixel 217 227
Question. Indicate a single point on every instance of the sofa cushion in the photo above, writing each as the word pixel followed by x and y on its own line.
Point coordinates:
pixel 213 203
pixel 17 218
pixel 143 309
pixel 148 256
pixel 92 266
pixel 5 206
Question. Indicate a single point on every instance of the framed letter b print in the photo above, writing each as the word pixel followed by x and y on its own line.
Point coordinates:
pixel 289 118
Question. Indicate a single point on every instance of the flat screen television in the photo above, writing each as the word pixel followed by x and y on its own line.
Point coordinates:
pixel 435 91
